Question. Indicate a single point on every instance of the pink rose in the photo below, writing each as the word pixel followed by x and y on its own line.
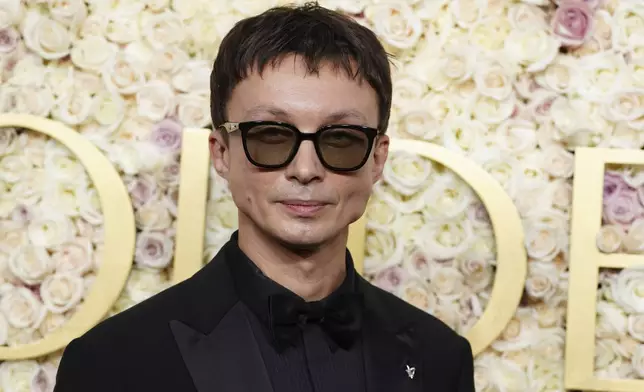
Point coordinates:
pixel 593 4
pixel 623 208
pixel 143 189
pixel 166 134
pixel 572 22
pixel 391 278
pixel 153 250
pixel 613 184
pixel 9 38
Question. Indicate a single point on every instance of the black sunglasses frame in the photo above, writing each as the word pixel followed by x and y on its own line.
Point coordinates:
pixel 245 126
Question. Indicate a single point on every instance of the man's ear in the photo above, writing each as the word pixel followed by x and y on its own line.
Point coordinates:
pixel 219 153
pixel 380 154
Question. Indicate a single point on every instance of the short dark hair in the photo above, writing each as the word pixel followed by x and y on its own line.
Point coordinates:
pixel 314 33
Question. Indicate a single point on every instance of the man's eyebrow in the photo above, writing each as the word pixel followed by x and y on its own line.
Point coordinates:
pixel 332 117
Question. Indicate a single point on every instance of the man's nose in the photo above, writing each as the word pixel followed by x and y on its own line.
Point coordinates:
pixel 306 166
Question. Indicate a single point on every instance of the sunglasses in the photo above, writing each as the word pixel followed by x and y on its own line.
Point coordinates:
pixel 273 144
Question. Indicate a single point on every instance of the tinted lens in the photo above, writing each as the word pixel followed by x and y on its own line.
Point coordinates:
pixel 343 148
pixel 270 145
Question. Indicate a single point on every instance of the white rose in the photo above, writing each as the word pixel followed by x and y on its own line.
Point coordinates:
pixel 142 284
pixel 47 37
pixel 93 25
pixel 52 322
pixel 29 70
pixel 558 162
pixel 74 107
pixel 61 292
pixel 458 64
pixel 625 136
pixel 561 75
pixel 62 196
pixel 467 12
pixel 18 375
pixel 89 206
pixel 50 229
pixel 448 197
pixel 602 75
pixel 491 111
pixel 500 374
pixel 395 23
pixel 122 75
pixel 108 109
pixel 463 134
pixel 549 344
pixel 493 80
pixel 193 110
pixel 4 330
pixel 154 250
pixel 610 238
pixel 446 281
pixel 527 16
pixel 418 123
pixel 638 361
pixel 122 25
pixel 93 52
pixel 543 242
pixel 8 141
pixel 533 48
pixel 157 5
pixel 542 280
pixel 163 29
pixel 153 216
pixel 416 292
pixel 529 174
pixel 12 236
pixel 628 290
pixel 490 33
pixel 446 240
pixel 516 136
pixel 22 308
pixel 155 100
pixel 61 165
pixel 37 101
pixel 14 168
pixel 625 105
pixel 520 333
pixel 634 239
pixel 11 12
pixel 383 249
pixel 636 326
pixel 73 257
pixel 407 173
pixel 194 76
pixel 478 273
pixel 30 264
pixel 628 20
pixel 169 59
pixel 71 13
pixel 406 225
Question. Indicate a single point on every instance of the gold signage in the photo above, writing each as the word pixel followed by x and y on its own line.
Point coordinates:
pixel 120 231
pixel 585 262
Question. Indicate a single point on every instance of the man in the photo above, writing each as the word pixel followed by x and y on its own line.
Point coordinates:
pixel 300 99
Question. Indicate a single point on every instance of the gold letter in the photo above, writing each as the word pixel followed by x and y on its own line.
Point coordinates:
pixel 585 262
pixel 120 234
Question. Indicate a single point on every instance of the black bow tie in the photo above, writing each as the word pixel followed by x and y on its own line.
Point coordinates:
pixel 340 317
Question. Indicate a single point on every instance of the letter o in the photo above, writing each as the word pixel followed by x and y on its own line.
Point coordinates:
pixel 119 231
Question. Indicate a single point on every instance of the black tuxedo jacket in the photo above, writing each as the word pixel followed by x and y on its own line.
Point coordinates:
pixel 187 339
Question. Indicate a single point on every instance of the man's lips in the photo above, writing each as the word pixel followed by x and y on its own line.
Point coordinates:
pixel 303 207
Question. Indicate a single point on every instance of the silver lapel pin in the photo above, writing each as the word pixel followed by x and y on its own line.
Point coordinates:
pixel 411 371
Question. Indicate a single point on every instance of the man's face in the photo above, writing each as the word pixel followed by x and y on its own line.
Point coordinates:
pixel 303 204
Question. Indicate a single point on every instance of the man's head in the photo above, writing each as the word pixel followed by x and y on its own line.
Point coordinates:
pixel 300 69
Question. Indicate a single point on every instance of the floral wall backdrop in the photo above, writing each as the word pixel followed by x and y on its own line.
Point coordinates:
pixel 515 85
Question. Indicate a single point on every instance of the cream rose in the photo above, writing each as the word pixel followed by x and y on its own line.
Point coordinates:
pixel 93 52
pixel 122 75
pixel 533 48
pixel 122 26
pixel 73 257
pixel 108 109
pixel 193 77
pixel 71 13
pixel 395 23
pixel 22 308
pixel 383 250
pixel 47 37
pixel 561 75
pixel 602 75
pixel 610 238
pixel 52 322
pixel 170 59
pixel 543 242
pixel 558 161
pixel 163 29
pixel 491 111
pixel 542 281
pixel 61 292
pixel 416 292
pixel 155 100
pixel 142 284
pixel 440 106
pixel 50 229
pixel 625 105
pixel 446 281
pixel 463 134
pixel 628 19
pixel 11 12
pixel 628 290
pixel 37 101
pixel 407 173
pixel 74 107
pixel 490 33
pixel 153 216
pixel 446 240
pixel 12 236
pixel 638 361
pixel 634 239
pixel 493 80
pixel 516 137
pixel 60 164
pixel 153 250
pixel 636 326
pixel 467 12
pixel 478 273
pixel 18 375
pixel 31 264
pixel 14 168
pixel 8 141
pixel 520 333
pixel 193 110
pixel 527 16
pixel 418 123
pixel 448 197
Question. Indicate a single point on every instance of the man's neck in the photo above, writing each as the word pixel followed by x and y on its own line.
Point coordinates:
pixel 311 275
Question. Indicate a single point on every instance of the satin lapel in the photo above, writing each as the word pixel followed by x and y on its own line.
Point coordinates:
pixel 392 358
pixel 228 359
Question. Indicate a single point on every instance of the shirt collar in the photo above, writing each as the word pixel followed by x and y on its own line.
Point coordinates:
pixel 254 288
